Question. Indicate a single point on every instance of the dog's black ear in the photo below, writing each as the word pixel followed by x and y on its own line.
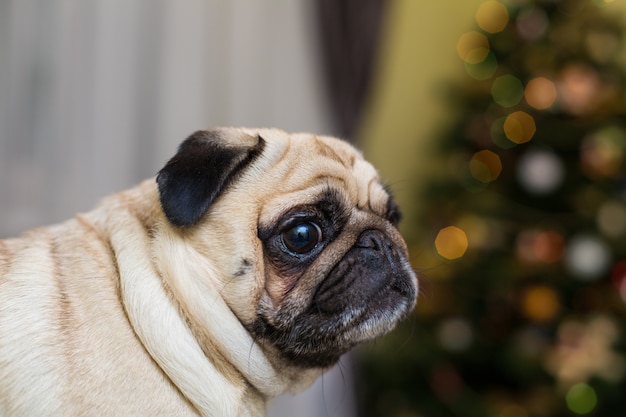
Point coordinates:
pixel 205 164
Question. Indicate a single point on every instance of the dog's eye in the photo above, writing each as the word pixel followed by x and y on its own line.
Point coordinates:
pixel 302 238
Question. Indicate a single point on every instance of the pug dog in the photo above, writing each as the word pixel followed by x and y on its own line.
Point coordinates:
pixel 248 267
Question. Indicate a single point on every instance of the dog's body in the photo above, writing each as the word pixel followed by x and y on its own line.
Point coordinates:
pixel 253 262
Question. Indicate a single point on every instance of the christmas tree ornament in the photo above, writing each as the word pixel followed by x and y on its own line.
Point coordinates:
pixel 540 246
pixel 540 303
pixel 531 341
pixel 492 16
pixel 581 399
pixel 618 274
pixel 540 93
pixel 602 153
pixel 611 219
pixel 486 234
pixel 540 171
pixel 473 47
pixel 585 349
pixel 507 90
pixel 498 136
pixel 446 383
pixel 532 23
pixel 602 44
pixel 455 334
pixel 579 89
pixel 485 166
pixel 618 278
pixel 484 69
pixel 519 127
pixel 587 257
pixel 451 242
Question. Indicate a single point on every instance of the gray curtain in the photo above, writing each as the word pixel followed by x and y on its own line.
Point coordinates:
pixel 349 31
pixel 96 95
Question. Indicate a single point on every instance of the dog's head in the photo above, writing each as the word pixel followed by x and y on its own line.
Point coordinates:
pixel 298 234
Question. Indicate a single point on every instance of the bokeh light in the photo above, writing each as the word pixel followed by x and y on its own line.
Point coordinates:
pixel 618 277
pixel 540 303
pixel 540 93
pixel 451 242
pixel 581 398
pixel 618 274
pixel 540 171
pixel 455 334
pixel 603 153
pixel 482 233
pixel 473 47
pixel 579 87
pixel 446 383
pixel 587 257
pixel 540 246
pixel 492 16
pixel 602 45
pixel 519 127
pixel 483 70
pixel 532 23
pixel 611 219
pixel 485 166
pixel 507 90
pixel 498 137
pixel 531 341
pixel 584 349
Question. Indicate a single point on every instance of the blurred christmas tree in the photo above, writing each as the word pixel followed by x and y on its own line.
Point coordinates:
pixel 522 311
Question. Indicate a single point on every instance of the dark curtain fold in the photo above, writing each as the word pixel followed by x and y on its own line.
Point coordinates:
pixel 349 36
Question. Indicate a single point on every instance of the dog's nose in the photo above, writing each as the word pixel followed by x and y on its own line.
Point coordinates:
pixel 371 239
pixel 371 271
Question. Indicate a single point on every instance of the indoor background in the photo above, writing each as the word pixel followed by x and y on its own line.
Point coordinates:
pixel 499 125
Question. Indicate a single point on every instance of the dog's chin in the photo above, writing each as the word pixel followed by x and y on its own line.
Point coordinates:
pixel 318 339
pixel 363 297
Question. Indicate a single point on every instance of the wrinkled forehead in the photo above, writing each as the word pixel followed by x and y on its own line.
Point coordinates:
pixel 305 167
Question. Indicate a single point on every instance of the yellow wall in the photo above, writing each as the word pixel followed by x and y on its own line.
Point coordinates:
pixel 417 58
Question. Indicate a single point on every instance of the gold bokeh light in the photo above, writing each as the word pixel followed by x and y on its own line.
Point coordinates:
pixel 519 127
pixel 485 166
pixel 540 303
pixel 473 47
pixel 451 242
pixel 492 16
pixel 540 93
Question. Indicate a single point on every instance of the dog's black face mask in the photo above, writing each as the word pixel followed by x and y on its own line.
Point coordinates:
pixel 360 295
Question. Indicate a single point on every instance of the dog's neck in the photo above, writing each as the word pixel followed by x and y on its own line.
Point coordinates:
pixel 229 375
